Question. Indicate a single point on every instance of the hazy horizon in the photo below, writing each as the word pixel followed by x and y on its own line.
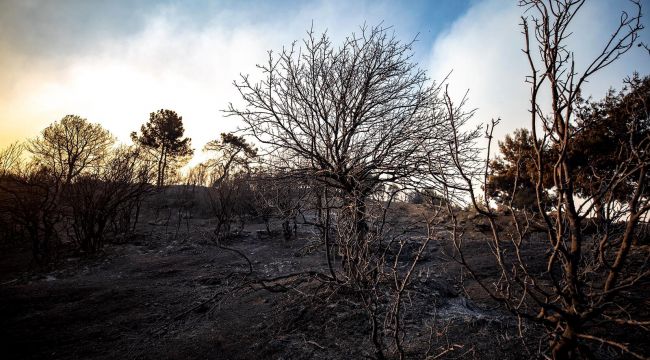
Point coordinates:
pixel 115 62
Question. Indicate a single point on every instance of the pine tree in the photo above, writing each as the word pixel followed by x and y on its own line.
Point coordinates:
pixel 163 135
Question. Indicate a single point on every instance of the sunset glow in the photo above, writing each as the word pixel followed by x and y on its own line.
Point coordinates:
pixel 325 179
pixel 116 70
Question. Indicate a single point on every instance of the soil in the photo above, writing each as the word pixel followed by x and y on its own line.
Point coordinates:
pixel 171 293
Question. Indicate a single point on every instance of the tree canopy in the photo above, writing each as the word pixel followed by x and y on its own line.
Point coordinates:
pixel 605 132
pixel 70 146
pixel 513 174
pixel 163 135
pixel 232 153
pixel 351 116
pixel 608 131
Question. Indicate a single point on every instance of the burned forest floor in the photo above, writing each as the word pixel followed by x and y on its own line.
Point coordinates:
pixel 170 292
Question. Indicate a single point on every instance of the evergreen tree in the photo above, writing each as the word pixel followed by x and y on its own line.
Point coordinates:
pixel 163 135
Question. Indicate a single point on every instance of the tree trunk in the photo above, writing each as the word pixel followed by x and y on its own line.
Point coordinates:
pixel 564 348
pixel 137 215
pixel 326 231
pixel 164 170
pixel 160 167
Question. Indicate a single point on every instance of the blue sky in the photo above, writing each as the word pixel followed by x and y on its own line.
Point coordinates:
pixel 50 27
pixel 113 62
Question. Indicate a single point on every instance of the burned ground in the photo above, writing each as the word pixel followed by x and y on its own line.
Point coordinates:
pixel 171 293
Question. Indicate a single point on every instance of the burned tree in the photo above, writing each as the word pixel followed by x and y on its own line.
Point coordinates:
pixel 107 197
pixel 276 196
pixel 30 200
pixel 33 194
pixel 348 122
pixel 350 117
pixel 71 146
pixel 228 176
pixel 10 158
pixel 589 280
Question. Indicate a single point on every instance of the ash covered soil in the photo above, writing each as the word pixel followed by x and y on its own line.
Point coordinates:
pixel 171 293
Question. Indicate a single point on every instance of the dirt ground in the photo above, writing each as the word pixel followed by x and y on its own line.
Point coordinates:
pixel 170 293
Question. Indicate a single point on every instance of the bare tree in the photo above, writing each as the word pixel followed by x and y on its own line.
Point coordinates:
pixel 227 175
pixel 10 158
pixel 584 289
pixel 197 176
pixel 30 197
pixel 71 146
pixel 30 200
pixel 65 152
pixel 350 117
pixel 10 166
pixel 277 196
pixel 97 200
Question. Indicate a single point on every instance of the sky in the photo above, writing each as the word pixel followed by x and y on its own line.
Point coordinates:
pixel 114 62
